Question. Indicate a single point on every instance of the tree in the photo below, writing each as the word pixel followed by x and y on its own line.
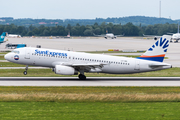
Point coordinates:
pixel 30 33
pixel 97 31
pixel 88 32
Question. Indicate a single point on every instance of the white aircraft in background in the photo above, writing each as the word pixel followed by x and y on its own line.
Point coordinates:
pixel 14 36
pixel 70 63
pixel 109 35
pixel 175 37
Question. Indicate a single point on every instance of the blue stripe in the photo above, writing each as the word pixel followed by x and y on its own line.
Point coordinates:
pixel 158 59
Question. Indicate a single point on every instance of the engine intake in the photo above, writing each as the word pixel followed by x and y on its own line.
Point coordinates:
pixel 64 70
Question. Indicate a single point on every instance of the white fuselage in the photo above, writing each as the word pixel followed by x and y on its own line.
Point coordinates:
pixel 176 36
pixel 110 35
pixel 110 64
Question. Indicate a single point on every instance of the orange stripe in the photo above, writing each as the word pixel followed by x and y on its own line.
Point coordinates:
pixel 145 56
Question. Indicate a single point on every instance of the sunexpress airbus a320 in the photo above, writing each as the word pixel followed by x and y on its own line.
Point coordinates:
pixel 70 63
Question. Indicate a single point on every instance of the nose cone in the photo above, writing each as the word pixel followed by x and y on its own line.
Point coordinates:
pixel 7 57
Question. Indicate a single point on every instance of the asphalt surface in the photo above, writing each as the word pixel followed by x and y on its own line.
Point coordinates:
pixel 91 81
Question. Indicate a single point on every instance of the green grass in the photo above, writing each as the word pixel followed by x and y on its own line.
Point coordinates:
pixel 89 111
pixel 5 52
pixel 173 72
pixel 2 58
pixel 89 103
pixel 10 64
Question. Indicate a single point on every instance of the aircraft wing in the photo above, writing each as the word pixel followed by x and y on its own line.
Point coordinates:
pixel 170 33
pixel 119 35
pixel 99 35
pixel 89 64
pixel 86 66
pixel 90 67
pixel 151 36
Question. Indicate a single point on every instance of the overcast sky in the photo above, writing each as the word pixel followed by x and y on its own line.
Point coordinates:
pixel 88 9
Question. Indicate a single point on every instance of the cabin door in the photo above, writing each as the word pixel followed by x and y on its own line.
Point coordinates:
pixel 27 55
pixel 137 65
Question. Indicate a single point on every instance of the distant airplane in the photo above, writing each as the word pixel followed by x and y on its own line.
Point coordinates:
pixel 13 36
pixel 108 35
pixel 72 63
pixel 2 37
pixel 175 36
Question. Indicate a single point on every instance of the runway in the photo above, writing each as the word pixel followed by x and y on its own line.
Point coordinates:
pixel 91 81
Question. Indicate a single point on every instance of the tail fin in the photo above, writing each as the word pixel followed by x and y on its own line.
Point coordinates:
pixel 2 36
pixel 157 51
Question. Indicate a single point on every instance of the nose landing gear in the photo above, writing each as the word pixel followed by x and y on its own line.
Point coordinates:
pixel 25 72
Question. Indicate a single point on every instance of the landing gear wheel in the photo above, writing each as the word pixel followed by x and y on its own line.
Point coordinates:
pixel 82 77
pixel 25 72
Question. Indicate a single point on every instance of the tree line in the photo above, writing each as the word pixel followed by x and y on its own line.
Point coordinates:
pixel 81 30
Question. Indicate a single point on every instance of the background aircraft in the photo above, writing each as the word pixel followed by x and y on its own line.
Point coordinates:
pixel 175 36
pixel 72 63
pixel 2 37
pixel 108 35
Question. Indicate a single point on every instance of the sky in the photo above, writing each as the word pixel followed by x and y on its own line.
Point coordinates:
pixel 88 9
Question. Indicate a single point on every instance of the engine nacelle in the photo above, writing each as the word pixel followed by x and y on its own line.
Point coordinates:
pixel 65 70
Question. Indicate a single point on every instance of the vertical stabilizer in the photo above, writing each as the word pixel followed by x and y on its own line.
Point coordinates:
pixel 2 37
pixel 157 51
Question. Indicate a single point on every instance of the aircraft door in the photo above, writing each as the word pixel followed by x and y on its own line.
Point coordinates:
pixel 137 65
pixel 27 53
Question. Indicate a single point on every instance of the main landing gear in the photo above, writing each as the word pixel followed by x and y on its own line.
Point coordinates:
pixel 81 75
pixel 25 72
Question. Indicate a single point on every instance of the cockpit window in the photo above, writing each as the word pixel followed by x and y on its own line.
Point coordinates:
pixel 15 51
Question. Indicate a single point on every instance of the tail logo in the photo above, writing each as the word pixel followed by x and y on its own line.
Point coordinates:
pixel 160 43
pixel 2 37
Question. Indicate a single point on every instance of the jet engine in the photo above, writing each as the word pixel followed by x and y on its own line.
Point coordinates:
pixel 65 70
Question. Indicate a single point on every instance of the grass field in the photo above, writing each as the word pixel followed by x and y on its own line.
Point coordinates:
pixel 90 94
pixel 89 103
pixel 173 72
pixel 10 64
pixel 89 111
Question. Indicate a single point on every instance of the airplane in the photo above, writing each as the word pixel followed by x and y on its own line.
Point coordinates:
pixel 175 37
pixel 108 35
pixel 71 63
pixel 14 36
pixel 3 35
